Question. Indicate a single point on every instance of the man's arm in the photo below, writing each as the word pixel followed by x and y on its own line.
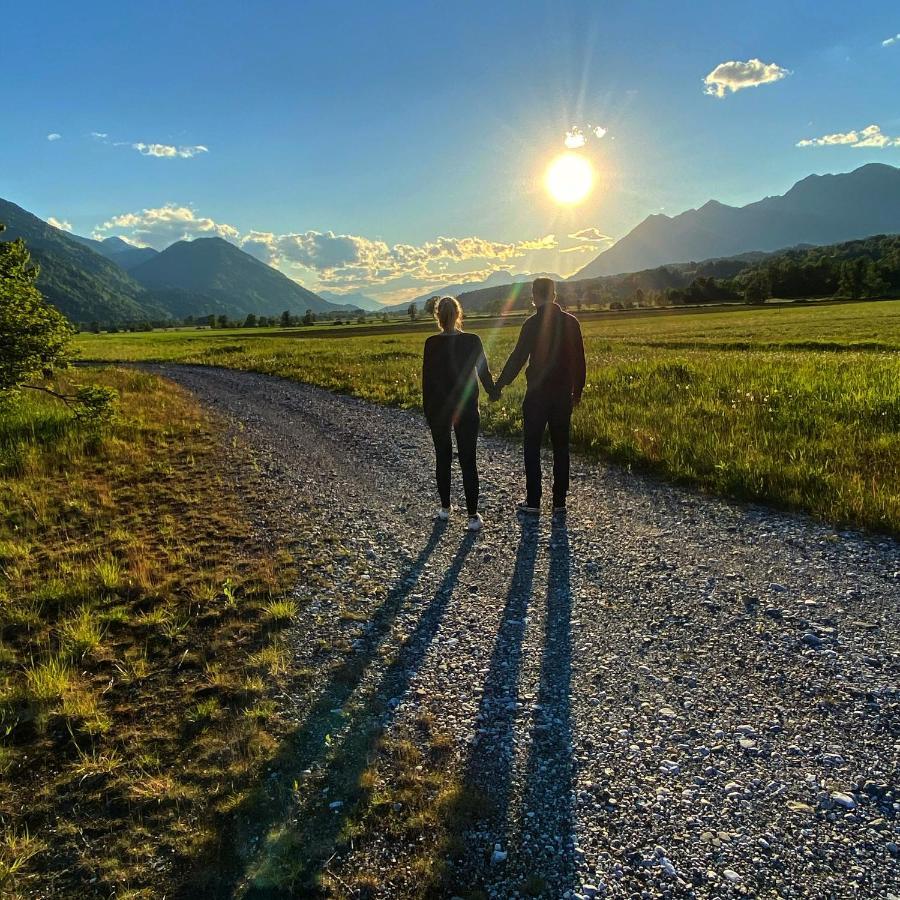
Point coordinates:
pixel 517 358
pixel 579 368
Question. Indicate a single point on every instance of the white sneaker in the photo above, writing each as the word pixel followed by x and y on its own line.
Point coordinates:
pixel 476 523
pixel 443 513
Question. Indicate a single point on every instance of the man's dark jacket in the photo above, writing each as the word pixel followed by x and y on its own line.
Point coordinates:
pixel 551 342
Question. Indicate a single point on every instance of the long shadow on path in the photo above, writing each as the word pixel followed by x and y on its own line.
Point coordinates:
pixel 545 840
pixel 296 851
pixel 236 853
pixel 488 769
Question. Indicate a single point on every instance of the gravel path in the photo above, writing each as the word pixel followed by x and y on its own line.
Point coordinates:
pixel 667 696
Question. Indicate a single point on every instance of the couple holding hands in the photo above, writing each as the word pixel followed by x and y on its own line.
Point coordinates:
pixel 454 361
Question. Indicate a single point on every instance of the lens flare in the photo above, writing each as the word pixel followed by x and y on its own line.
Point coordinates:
pixel 569 178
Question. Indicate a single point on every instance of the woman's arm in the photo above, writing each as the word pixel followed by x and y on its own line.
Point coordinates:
pixel 428 378
pixel 483 369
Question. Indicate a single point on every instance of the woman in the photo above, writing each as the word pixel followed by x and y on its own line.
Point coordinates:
pixel 450 398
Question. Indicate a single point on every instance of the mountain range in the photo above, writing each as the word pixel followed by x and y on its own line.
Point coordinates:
pixel 112 281
pixel 77 280
pixel 820 209
pixel 123 254
pixel 211 275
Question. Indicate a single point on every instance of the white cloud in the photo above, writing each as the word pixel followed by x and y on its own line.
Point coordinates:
pixel 62 225
pixel 735 76
pixel 870 136
pixel 591 234
pixel 347 259
pixel 163 151
pixel 54 136
pixel 169 151
pixel 577 136
pixel 891 40
pixel 336 260
pixel 163 226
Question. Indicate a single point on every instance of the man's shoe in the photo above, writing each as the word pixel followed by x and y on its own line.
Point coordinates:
pixel 528 509
pixel 443 514
pixel 476 523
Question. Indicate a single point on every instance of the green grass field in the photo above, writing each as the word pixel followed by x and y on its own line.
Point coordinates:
pixel 796 405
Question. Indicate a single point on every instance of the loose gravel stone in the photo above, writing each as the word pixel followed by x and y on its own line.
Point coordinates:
pixel 668 695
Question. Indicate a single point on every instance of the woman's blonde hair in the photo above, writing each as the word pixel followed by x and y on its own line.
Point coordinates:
pixel 449 313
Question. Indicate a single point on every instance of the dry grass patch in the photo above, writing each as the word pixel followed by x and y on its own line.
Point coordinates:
pixel 136 607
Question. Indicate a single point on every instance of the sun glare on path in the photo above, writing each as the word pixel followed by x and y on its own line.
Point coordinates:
pixel 569 178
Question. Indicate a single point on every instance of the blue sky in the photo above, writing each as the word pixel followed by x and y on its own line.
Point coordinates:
pixel 392 147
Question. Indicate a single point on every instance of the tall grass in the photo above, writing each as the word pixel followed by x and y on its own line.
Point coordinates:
pixel 795 406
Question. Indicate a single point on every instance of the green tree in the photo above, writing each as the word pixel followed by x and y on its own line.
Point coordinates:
pixel 250 321
pixel 850 279
pixel 412 312
pixel 285 319
pixel 757 286
pixel 309 317
pixel 223 321
pixel 874 284
pixel 430 304
pixel 34 337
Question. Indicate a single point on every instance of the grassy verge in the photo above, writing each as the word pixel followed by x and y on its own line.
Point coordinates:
pixel 139 617
pixel 753 404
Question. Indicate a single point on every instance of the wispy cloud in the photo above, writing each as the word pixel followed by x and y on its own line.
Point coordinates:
pixel 735 76
pixel 871 136
pixel 335 260
pixel 592 235
pixel 891 40
pixel 168 150
pixel 61 224
pixel 54 136
pixel 577 136
pixel 161 151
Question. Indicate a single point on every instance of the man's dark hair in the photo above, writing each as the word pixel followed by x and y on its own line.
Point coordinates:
pixel 543 290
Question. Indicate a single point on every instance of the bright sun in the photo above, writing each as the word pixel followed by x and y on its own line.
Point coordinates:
pixel 569 178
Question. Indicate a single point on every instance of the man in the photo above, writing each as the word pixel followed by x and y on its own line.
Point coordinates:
pixel 551 343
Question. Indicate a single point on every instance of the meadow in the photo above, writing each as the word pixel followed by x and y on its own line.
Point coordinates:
pixel 796 405
pixel 139 638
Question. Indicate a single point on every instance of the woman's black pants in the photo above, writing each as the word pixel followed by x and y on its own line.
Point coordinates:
pixel 466 430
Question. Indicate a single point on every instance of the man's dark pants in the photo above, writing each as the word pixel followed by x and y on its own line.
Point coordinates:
pixel 541 411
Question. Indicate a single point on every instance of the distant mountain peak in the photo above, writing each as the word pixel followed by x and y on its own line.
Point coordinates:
pixel 210 275
pixel 817 210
